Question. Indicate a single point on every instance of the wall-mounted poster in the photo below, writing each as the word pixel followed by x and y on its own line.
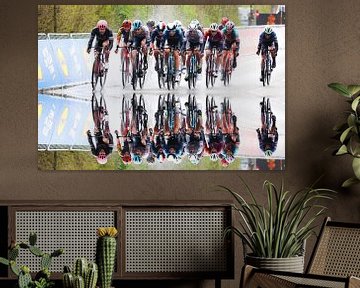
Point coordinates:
pixel 161 87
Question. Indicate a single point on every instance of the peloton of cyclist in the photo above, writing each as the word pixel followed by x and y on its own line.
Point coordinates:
pixel 267 139
pixel 155 45
pixel 224 20
pixel 173 38
pixel 139 37
pixel 267 41
pixel 194 40
pixel 104 40
pixel 232 42
pixel 214 38
pixel 122 37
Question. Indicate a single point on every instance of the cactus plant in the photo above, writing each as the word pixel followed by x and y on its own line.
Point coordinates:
pixel 85 275
pixel 42 278
pixel 105 254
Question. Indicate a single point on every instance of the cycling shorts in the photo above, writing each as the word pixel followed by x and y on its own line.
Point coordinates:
pixel 210 45
pixel 190 46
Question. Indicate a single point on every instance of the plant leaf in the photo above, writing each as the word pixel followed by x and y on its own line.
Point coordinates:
pixel 355 103
pixel 345 134
pixel 349 182
pixel 342 150
pixel 356 167
pixel 340 88
pixel 353 89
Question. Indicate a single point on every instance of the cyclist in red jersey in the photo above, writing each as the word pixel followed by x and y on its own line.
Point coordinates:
pixel 122 37
pixel 214 38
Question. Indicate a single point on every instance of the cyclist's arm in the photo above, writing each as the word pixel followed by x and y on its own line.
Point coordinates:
pixel 181 39
pixel 163 39
pixel 91 143
pixel 147 36
pixel 201 41
pixel 237 40
pixel 92 36
pixel 260 41
pixel 118 37
pixel 275 42
pixel 111 40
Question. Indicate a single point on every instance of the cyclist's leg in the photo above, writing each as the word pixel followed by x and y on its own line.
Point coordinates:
pixel 177 63
pixel 156 56
pixel 273 55
pixel 233 51
pixel 145 52
pixel 218 60
pixel 198 58
pixel 105 47
pixel 188 54
pixel 263 56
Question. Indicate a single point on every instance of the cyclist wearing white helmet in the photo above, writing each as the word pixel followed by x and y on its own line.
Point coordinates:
pixel 104 40
pixel 194 40
pixel 267 41
pixel 156 38
pixel 232 43
pixel 214 38
pixel 139 37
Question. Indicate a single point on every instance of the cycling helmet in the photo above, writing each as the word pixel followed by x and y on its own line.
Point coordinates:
pixel 126 24
pixel 214 27
pixel 150 23
pixel 268 30
pixel 194 159
pixel 171 26
pixel 214 157
pixel 230 25
pixel 229 158
pixel 192 26
pixel 126 159
pixel 268 153
pixel 101 159
pixel 102 24
pixel 178 24
pixel 196 22
pixel 161 26
pixel 136 24
pixel 136 159
pixel 224 20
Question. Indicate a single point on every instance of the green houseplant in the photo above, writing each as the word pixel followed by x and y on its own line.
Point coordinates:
pixel 348 133
pixel 279 229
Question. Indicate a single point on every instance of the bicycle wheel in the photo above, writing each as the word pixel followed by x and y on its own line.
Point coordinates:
pixel 95 73
pixel 159 115
pixel 143 71
pixel 102 112
pixel 95 110
pixel 125 71
pixel 134 105
pixel 268 76
pixel 125 112
pixel 212 66
pixel 194 74
pixel 161 80
pixel 208 71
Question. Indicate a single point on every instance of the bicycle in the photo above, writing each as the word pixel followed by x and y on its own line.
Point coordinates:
pixel 192 112
pixel 170 112
pixel 138 69
pixel 100 115
pixel 98 69
pixel 192 70
pixel 159 114
pixel 171 71
pixel 210 68
pixel 210 114
pixel 125 65
pixel 267 68
pixel 139 113
pixel 125 114
pixel 266 114
pixel 160 71
pixel 229 56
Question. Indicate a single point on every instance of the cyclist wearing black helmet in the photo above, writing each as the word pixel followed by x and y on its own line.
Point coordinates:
pixel 139 37
pixel 156 38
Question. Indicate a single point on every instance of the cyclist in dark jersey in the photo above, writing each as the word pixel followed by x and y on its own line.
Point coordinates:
pixel 103 145
pixel 267 41
pixel 104 40
pixel 268 139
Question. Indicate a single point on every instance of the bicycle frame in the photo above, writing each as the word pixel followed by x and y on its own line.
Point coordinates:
pixel 98 70
pixel 192 71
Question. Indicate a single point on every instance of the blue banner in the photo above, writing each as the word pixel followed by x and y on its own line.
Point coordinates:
pixel 63 121
pixel 48 69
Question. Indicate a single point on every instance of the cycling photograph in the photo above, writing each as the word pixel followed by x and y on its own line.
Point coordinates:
pixel 161 87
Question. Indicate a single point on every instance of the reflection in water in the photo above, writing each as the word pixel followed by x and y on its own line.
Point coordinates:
pixel 104 143
pixel 178 131
pixel 268 135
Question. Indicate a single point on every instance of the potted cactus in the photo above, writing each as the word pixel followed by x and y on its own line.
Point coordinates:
pixel 106 254
pixel 84 275
pixel 42 278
